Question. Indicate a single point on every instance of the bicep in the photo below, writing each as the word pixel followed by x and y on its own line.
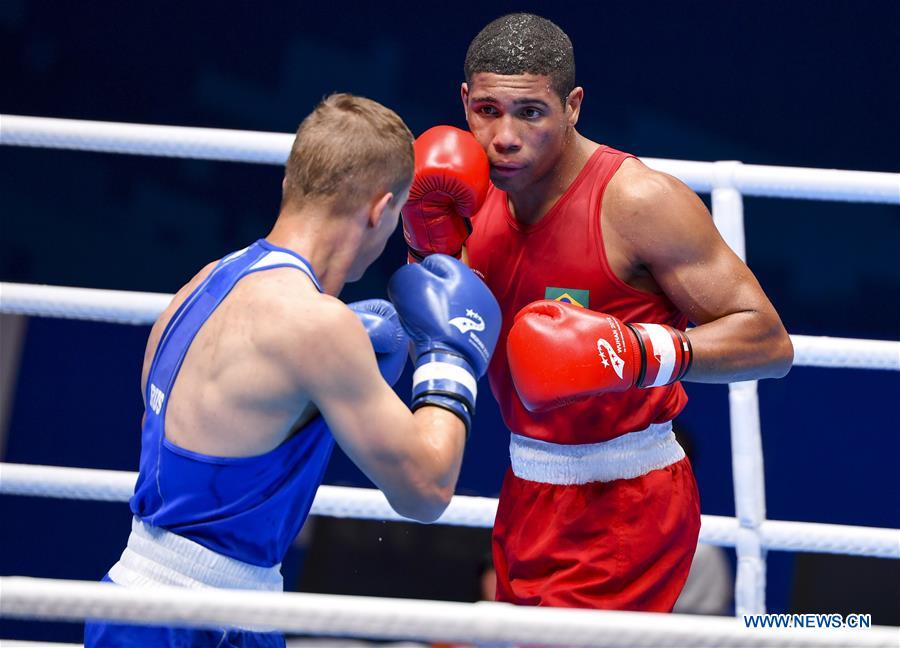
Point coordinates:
pixel 739 335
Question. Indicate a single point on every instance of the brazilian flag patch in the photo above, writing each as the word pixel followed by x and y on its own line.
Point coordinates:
pixel 573 296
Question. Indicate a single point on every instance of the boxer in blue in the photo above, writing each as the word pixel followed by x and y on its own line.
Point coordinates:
pixel 256 368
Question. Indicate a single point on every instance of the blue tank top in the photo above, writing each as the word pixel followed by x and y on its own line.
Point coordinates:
pixel 248 508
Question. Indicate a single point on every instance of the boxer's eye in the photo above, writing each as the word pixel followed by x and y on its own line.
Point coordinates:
pixel 488 110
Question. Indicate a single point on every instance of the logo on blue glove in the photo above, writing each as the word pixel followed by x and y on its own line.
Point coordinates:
pixel 471 322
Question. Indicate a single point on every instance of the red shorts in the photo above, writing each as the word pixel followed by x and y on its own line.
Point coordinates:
pixel 619 545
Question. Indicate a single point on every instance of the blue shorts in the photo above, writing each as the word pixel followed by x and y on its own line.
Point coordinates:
pixel 100 634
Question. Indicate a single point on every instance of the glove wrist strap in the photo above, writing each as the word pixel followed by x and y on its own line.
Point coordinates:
pixel 448 403
pixel 446 380
pixel 666 354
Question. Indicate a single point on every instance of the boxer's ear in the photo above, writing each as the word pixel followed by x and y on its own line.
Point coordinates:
pixel 573 105
pixel 464 95
pixel 378 207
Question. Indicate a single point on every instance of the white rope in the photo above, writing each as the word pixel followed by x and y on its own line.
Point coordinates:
pixel 118 306
pixel 831 538
pixel 370 504
pixel 397 619
pixel 146 139
pixel 127 307
pixel 67 483
pixel 273 148
pixel 330 501
pixel 846 353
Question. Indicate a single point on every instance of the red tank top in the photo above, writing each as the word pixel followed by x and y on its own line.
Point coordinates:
pixel 563 257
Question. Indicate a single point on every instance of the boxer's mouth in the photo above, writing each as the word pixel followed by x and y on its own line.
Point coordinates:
pixel 506 170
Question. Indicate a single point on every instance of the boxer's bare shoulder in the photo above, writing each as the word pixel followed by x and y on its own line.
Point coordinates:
pixel 281 318
pixel 305 331
pixel 652 220
pixel 638 195
pixel 249 378
pixel 278 316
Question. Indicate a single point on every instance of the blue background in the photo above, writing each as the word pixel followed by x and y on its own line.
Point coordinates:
pixel 801 83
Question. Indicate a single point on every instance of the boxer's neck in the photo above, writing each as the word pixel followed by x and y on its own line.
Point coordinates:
pixel 328 241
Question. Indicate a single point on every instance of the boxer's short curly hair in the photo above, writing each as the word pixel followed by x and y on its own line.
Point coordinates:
pixel 522 43
pixel 346 151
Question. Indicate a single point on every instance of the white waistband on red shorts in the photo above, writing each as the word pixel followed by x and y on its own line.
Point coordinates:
pixel 626 457
pixel 155 556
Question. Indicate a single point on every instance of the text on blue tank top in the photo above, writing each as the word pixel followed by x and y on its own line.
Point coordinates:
pixel 248 508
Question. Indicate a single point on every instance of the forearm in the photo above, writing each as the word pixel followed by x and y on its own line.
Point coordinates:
pixel 430 466
pixel 747 345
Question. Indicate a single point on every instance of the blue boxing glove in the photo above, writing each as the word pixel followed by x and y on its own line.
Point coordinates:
pixel 453 321
pixel 389 340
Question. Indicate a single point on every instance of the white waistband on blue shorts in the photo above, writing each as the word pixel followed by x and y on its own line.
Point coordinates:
pixel 626 457
pixel 155 556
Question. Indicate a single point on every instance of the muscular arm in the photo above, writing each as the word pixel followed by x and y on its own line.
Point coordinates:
pixel 667 230
pixel 413 458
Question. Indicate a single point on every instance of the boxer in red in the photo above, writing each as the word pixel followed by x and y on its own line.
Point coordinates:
pixel 598 263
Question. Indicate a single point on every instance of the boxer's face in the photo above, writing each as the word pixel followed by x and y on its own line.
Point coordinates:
pixel 521 123
pixel 377 235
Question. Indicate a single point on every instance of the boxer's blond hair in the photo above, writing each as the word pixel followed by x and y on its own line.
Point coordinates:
pixel 347 151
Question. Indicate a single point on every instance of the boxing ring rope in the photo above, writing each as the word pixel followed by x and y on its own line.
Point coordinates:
pixel 330 501
pixel 397 619
pixel 727 182
pixel 127 307
pixel 273 148
pixel 370 504
pixel 144 139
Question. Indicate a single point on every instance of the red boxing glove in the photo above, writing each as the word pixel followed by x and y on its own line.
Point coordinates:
pixel 451 180
pixel 559 353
